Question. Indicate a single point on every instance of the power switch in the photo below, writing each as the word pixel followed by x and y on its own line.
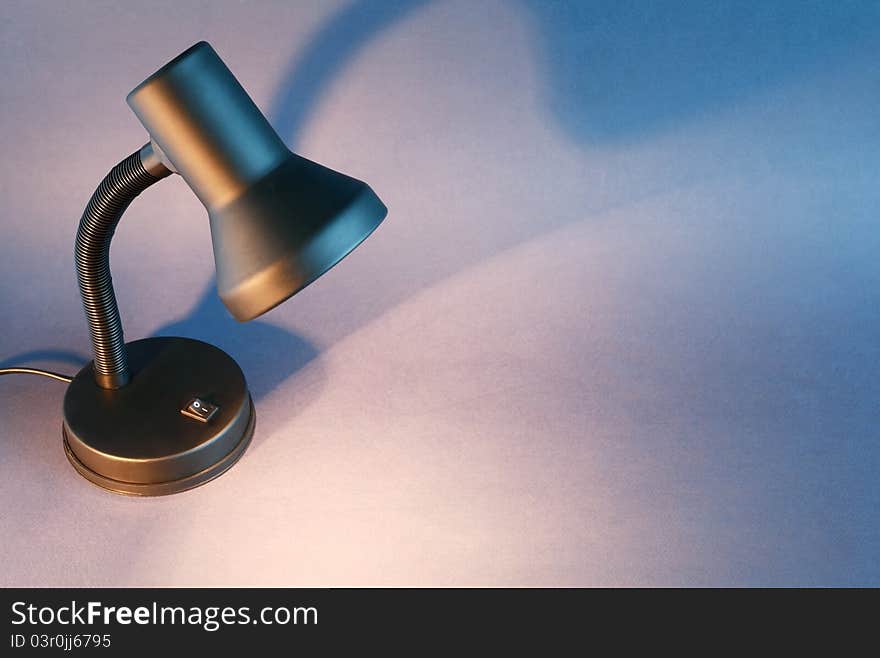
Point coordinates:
pixel 200 410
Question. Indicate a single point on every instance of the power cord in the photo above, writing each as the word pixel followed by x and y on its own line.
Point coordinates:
pixel 36 371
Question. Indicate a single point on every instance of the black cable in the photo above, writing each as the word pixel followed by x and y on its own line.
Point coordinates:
pixel 36 371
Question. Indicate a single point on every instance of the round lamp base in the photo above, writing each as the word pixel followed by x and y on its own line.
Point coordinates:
pixel 184 418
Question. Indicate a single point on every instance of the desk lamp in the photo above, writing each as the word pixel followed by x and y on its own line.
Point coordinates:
pixel 162 415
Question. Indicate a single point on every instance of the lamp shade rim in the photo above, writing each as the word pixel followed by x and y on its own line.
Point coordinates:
pixel 280 280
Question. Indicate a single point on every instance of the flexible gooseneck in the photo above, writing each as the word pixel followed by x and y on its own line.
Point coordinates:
pixel 125 181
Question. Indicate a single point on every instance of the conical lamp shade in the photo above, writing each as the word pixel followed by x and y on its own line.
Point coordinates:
pixel 278 221
pixel 287 230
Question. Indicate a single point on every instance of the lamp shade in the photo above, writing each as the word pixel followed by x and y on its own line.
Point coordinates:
pixel 278 220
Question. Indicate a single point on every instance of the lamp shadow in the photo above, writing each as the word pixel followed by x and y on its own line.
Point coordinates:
pixel 267 354
pixel 328 51
pixel 613 72
pixel 621 70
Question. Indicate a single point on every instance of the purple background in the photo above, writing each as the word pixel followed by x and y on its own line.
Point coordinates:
pixel 621 326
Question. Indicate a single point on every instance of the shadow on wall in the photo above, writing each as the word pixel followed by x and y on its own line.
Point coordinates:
pixel 329 51
pixel 621 69
pixel 614 71
pixel 266 353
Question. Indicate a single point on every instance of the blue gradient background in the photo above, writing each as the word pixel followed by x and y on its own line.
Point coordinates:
pixel 621 326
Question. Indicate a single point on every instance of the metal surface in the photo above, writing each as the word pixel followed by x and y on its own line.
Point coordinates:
pixel 154 161
pixel 135 440
pixel 286 231
pixel 207 126
pixel 92 255
pixel 278 221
